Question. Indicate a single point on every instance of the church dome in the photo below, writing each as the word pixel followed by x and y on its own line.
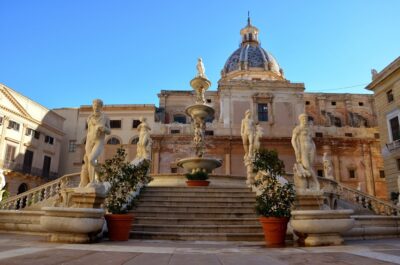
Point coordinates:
pixel 250 60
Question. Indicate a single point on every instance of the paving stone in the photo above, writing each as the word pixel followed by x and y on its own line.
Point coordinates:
pixel 194 259
pixel 104 258
pixel 150 259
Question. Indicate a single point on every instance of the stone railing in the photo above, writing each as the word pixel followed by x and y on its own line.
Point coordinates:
pixel 39 194
pixel 359 198
pixel 393 145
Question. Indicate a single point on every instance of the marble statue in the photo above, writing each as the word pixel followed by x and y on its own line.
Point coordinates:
pixel 374 73
pixel 328 168
pixel 143 150
pixel 201 71
pixel 98 126
pixel 257 137
pixel 247 132
pixel 2 183
pixel 304 147
pixel 199 127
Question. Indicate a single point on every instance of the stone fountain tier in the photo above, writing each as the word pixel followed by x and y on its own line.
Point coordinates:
pixel 321 227
pixel 201 111
pixel 194 164
pixel 200 84
pixel 72 225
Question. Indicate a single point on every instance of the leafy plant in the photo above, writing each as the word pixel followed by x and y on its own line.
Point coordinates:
pixel 276 194
pixel 124 178
pixel 198 175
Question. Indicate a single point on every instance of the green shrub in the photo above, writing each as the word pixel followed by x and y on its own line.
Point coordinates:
pixel 199 175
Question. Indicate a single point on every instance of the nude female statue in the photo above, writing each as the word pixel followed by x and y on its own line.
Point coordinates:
pixel 143 149
pixel 98 126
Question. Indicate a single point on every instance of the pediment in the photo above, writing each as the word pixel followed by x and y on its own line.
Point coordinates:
pixel 9 103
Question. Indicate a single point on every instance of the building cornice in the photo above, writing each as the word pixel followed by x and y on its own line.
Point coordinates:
pixel 387 71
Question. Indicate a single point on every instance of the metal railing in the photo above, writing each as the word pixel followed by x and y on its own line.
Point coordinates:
pixel 38 194
pixel 359 198
pixel 393 145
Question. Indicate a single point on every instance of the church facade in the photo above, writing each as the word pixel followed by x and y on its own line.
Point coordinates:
pixel 344 125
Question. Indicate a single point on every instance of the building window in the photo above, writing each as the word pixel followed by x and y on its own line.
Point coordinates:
pixel 382 174
pixel 333 103
pixel 262 112
pixel 320 173
pixel 352 174
pixel 135 123
pixel 113 141
pixel 49 139
pixel 310 120
pixel 208 100
pixel 115 124
pixel 46 167
pixel 209 133
pixel 348 134
pixel 319 134
pixel 307 102
pixel 72 146
pixel 179 118
pixel 10 153
pixel 209 119
pixel 135 140
pixel 360 104
pixel 175 131
pixel 390 96
pixel 174 170
pixel 28 160
pixel 337 122
pixel 29 131
pixel 377 135
pixel 394 128
pixel 13 125
pixel 22 188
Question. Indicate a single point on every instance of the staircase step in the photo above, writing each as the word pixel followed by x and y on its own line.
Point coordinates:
pixel 196 208
pixel 198 236
pixel 189 203
pixel 196 221
pixel 191 198
pixel 171 214
pixel 198 189
pixel 197 228
pixel 203 193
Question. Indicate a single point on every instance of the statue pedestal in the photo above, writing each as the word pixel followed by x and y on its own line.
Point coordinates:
pixel 87 197
pixel 309 200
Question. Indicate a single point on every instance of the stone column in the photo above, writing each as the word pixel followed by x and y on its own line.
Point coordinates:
pixel 227 161
pixel 335 162
pixel 369 178
pixel 156 157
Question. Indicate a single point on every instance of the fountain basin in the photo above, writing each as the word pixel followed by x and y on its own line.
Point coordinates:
pixel 200 83
pixel 194 164
pixel 200 111
pixel 321 227
pixel 72 225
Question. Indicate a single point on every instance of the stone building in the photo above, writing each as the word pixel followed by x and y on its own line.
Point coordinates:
pixel 386 88
pixel 30 141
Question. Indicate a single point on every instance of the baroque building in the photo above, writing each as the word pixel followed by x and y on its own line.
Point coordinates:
pixel 386 88
pixel 344 125
pixel 30 141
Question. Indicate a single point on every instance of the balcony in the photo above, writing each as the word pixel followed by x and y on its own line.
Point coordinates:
pixel 33 171
pixel 393 145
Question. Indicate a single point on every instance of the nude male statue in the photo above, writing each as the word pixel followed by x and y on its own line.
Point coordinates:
pixel 144 143
pixel 247 132
pixel 304 148
pixel 201 72
pixel 98 126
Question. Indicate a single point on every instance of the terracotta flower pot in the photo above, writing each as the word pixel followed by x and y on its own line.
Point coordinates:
pixel 274 230
pixel 197 183
pixel 119 226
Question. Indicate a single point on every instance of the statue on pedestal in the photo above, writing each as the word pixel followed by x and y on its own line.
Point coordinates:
pixel 248 131
pixel 199 127
pixel 304 147
pixel 98 126
pixel 144 143
pixel 328 168
pixel 258 135
pixel 201 71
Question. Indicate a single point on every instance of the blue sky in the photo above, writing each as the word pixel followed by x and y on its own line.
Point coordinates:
pixel 65 53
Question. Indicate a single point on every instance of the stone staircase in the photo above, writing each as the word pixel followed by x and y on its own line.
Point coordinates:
pixel 196 213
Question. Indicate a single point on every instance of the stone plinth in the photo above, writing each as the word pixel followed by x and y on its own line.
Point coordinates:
pixel 87 197
pixel 309 201
pixel 72 225
pixel 321 227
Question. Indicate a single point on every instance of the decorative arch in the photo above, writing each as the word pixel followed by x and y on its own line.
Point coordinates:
pixel 23 187
pixel 134 140
pixel 113 140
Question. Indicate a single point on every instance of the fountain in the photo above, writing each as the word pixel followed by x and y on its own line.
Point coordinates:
pixel 199 112
pixel 311 222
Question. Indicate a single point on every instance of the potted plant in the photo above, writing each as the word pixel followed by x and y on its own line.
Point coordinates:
pixel 197 179
pixel 125 181
pixel 274 198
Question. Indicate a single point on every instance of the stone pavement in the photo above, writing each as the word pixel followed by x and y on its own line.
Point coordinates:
pixel 32 250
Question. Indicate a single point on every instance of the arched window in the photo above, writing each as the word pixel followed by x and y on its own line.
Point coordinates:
pixel 22 188
pixel 338 122
pixel 113 141
pixel 180 118
pixel 135 140
pixel 310 120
